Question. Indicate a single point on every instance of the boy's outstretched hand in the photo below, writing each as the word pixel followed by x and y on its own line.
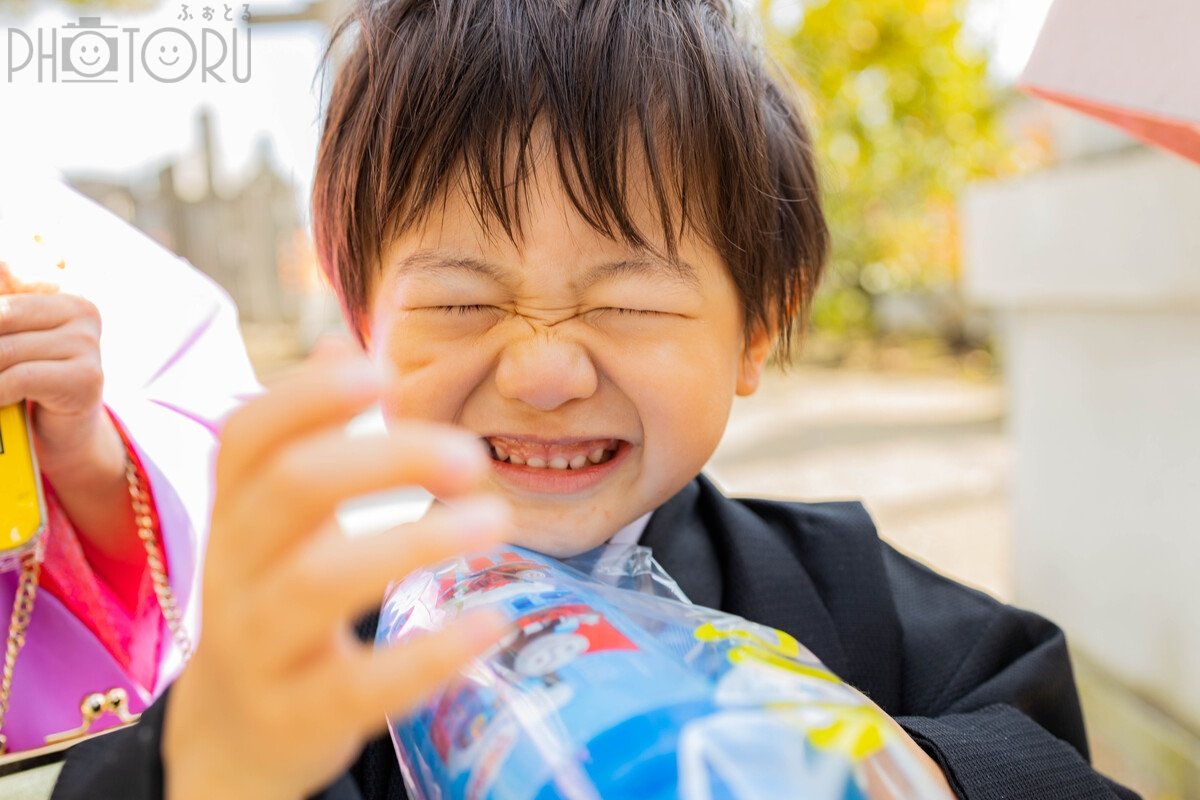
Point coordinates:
pixel 280 695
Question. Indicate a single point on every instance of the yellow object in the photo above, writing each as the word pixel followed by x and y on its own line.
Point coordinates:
pixel 857 732
pixel 784 653
pixel 22 507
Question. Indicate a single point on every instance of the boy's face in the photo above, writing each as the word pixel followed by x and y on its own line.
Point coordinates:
pixel 601 376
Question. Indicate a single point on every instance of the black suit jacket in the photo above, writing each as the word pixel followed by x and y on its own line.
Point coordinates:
pixel 985 688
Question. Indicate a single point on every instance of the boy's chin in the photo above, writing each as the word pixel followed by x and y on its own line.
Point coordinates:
pixel 561 541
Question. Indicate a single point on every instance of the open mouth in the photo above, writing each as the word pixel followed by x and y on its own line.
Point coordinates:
pixel 562 455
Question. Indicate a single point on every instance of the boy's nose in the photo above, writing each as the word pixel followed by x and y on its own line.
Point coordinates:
pixel 545 372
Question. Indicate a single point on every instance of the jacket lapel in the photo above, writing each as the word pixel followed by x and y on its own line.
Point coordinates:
pixel 812 571
pixel 677 536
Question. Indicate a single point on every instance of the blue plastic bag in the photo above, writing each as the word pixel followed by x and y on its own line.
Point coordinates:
pixel 611 684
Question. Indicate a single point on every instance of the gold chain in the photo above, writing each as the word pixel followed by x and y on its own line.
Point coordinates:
pixel 22 610
pixel 154 560
pixel 27 591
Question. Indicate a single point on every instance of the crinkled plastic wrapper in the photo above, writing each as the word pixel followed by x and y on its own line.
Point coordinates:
pixel 612 685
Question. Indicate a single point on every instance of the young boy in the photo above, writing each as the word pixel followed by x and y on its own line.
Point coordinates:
pixel 572 229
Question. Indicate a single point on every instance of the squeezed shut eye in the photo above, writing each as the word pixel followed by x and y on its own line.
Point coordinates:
pixel 476 308
pixel 462 310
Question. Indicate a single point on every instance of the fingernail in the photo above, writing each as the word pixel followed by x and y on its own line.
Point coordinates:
pixel 358 375
pixel 460 453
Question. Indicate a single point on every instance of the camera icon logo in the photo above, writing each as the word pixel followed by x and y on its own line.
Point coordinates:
pixel 89 50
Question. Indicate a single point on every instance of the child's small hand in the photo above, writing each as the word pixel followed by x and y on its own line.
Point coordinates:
pixel 50 356
pixel 280 695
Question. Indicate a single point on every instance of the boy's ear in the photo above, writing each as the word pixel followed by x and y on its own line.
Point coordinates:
pixel 754 358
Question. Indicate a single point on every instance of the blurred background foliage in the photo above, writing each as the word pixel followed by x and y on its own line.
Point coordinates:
pixel 905 115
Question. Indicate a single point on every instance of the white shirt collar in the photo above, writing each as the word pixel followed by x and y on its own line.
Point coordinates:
pixel 632 532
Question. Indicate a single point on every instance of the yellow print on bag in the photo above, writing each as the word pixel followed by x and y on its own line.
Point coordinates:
pixel 749 645
pixel 855 732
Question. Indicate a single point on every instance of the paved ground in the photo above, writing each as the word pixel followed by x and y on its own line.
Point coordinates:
pixel 926 453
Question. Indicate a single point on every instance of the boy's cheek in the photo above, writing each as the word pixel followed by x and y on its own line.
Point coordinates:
pixel 684 414
pixel 427 381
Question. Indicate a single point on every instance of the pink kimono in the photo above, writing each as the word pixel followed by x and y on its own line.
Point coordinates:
pixel 174 366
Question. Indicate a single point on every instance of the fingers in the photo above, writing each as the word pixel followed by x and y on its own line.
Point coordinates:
pixel 336 578
pixel 281 584
pixel 53 345
pixel 317 396
pixel 394 680
pixel 307 480
pixel 38 312
pixel 63 387
pixel 50 352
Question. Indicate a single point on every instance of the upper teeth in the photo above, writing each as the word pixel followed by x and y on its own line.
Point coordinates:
pixel 557 462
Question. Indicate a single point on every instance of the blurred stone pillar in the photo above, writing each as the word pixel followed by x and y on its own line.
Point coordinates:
pixel 1093 267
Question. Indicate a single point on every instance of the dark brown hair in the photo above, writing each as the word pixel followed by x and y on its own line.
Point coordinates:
pixel 431 90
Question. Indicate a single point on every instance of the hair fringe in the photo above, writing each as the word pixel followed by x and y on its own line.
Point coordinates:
pixel 434 91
